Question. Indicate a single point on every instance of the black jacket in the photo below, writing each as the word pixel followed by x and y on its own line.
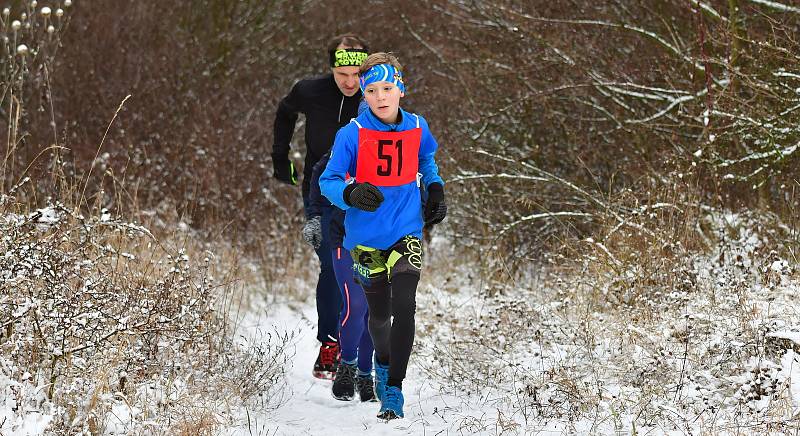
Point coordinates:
pixel 317 202
pixel 326 110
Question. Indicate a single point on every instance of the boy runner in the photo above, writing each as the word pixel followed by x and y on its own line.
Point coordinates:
pixel 385 148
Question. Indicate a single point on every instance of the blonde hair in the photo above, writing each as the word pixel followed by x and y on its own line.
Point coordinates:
pixel 377 59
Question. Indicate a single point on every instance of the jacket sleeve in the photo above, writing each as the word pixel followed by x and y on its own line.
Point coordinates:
pixel 316 200
pixel 342 160
pixel 427 153
pixel 285 119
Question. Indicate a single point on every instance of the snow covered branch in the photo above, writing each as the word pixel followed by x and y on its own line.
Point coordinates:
pixel 776 6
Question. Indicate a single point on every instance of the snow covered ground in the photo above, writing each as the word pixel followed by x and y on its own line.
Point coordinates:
pixel 716 353
pixel 719 356
pixel 311 410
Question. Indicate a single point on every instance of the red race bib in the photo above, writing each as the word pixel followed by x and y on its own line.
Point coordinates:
pixel 388 158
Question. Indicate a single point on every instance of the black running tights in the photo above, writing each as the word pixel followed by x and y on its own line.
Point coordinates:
pixel 393 339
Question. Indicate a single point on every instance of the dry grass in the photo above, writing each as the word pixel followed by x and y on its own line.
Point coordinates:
pixel 661 324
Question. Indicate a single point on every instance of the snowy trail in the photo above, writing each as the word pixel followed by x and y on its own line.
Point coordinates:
pixel 311 410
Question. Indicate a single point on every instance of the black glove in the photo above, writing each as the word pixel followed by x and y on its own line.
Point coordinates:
pixel 312 231
pixel 284 170
pixel 364 196
pixel 435 207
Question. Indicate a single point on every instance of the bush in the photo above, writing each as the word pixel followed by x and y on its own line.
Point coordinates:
pixel 99 315
pixel 107 326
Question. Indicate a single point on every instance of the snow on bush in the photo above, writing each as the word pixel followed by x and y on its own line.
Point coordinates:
pixel 709 344
pixel 104 329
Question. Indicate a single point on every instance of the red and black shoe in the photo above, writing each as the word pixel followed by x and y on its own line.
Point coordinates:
pixel 327 361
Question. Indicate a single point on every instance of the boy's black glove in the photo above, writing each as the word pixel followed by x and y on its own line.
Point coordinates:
pixel 364 196
pixel 312 231
pixel 284 170
pixel 435 207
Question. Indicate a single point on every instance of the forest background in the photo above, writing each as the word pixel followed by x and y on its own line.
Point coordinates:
pixel 600 147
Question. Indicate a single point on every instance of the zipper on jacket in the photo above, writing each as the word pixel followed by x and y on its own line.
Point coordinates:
pixel 339 120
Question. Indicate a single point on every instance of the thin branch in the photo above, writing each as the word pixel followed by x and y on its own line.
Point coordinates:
pixel 777 6
pixel 498 176
pixel 536 216
pixel 642 31
pixel 86 182
pixel 709 10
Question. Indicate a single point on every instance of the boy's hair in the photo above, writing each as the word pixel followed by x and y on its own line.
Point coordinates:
pixel 348 39
pixel 380 58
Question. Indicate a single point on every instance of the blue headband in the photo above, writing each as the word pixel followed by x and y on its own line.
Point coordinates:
pixel 383 73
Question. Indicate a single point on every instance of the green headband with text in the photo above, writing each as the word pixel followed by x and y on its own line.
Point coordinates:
pixel 348 57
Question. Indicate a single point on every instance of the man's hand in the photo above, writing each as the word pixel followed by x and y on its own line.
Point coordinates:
pixel 312 231
pixel 364 196
pixel 285 171
pixel 435 207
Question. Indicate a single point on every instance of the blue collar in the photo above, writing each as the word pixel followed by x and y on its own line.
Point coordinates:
pixel 377 124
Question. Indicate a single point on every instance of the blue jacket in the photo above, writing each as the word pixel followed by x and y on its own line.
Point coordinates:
pixel 400 214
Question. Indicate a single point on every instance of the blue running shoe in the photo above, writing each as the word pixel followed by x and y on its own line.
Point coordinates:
pixel 392 405
pixel 381 378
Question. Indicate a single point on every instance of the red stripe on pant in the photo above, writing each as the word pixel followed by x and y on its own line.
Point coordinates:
pixel 347 304
pixel 346 290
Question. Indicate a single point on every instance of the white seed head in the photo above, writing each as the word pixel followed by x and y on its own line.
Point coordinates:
pixel 6 12
pixel 34 3
pixel 51 29
pixel 15 25
pixel 67 3
pixel 45 11
pixel 27 25
pixel 23 16
pixel 22 49
pixel 59 12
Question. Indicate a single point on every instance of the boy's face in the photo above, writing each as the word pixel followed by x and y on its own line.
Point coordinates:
pixel 346 78
pixel 383 99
